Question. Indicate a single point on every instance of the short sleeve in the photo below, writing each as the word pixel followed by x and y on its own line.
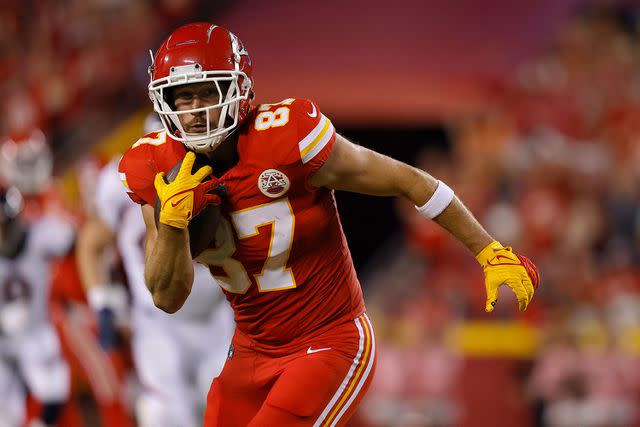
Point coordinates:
pixel 110 198
pixel 136 174
pixel 316 136
pixel 153 153
pixel 291 134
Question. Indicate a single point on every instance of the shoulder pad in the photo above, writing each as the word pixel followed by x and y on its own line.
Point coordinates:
pixel 293 130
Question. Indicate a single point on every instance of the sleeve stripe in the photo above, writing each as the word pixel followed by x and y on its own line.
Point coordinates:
pixel 313 134
pixel 320 145
pixel 123 178
pixel 323 131
pixel 313 143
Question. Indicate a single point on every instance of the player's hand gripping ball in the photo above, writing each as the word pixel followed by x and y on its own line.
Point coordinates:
pixel 188 199
pixel 502 266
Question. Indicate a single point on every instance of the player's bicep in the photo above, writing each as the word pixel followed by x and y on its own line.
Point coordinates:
pixel 351 167
pixel 344 164
pixel 148 215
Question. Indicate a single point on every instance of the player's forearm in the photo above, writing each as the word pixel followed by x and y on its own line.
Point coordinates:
pixel 88 266
pixel 461 223
pixel 418 186
pixel 169 269
pixel 358 169
pixel 93 239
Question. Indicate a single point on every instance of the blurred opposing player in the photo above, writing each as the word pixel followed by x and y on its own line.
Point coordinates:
pixel 26 162
pixel 304 351
pixel 176 357
pixel 29 346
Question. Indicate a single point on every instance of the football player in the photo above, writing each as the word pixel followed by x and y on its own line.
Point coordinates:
pixel 27 162
pixel 304 351
pixel 29 347
pixel 176 357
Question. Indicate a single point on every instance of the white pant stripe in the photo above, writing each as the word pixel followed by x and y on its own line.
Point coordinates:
pixel 346 380
pixel 363 380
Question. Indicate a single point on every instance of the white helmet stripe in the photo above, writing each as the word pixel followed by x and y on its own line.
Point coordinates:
pixel 209 31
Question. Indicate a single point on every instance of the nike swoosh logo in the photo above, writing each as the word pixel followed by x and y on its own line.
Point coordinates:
pixel 174 204
pixel 314 112
pixel 501 263
pixel 498 257
pixel 317 350
pixel 513 262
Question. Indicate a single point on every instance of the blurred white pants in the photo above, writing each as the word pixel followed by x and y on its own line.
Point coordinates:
pixel 176 360
pixel 34 357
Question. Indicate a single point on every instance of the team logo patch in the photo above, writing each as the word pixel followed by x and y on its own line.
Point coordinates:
pixel 273 183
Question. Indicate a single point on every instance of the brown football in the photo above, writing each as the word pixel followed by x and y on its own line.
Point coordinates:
pixel 202 228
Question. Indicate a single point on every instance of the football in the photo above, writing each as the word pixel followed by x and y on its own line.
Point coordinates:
pixel 202 228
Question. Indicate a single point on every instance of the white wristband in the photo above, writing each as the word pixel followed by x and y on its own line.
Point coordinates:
pixel 98 297
pixel 438 202
pixel 107 296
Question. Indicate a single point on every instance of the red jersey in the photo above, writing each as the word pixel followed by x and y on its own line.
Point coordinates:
pixel 280 253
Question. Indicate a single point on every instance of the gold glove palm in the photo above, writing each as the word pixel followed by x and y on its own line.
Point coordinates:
pixel 186 196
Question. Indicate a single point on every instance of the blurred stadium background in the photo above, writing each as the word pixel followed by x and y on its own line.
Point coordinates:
pixel 529 110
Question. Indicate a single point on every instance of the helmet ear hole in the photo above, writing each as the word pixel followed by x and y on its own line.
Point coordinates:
pixel 169 97
pixel 224 90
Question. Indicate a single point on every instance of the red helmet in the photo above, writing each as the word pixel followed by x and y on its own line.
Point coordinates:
pixel 203 52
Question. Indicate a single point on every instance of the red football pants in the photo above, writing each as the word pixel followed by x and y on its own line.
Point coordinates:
pixel 319 384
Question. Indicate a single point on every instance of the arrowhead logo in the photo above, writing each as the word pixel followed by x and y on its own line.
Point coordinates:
pixel 273 183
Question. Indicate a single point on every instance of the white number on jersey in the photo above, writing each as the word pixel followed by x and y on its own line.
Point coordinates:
pixel 275 276
pixel 267 119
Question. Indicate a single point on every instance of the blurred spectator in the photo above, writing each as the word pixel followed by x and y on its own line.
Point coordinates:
pixel 554 170
pixel 76 68
pixel 417 372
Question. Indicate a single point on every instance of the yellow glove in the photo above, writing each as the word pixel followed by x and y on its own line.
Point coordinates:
pixel 502 266
pixel 185 197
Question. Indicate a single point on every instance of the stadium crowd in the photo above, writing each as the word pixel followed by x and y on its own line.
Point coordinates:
pixel 552 167
pixel 64 63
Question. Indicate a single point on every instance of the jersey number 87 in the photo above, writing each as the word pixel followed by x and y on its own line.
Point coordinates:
pixel 275 276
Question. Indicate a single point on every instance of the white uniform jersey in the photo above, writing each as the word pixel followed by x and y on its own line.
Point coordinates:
pixel 193 342
pixel 29 347
pixel 124 218
pixel 25 281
